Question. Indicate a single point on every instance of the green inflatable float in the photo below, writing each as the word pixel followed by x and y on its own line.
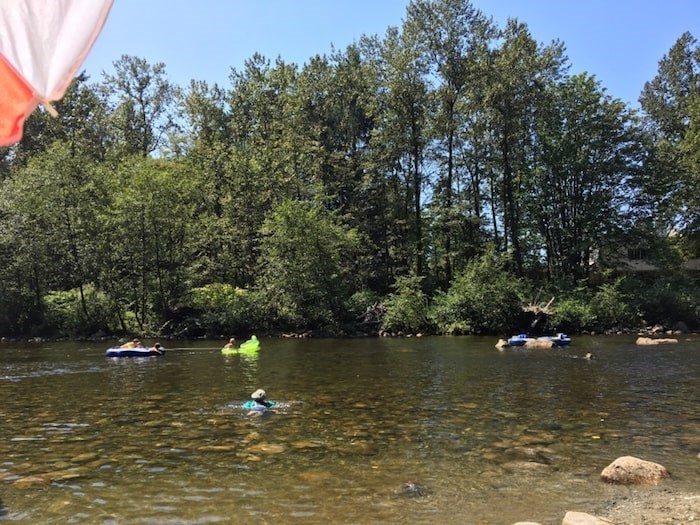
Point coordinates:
pixel 251 346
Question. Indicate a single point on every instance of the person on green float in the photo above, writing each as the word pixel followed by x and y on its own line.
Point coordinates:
pixel 231 343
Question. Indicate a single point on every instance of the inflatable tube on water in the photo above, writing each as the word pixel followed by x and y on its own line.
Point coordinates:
pixel 252 405
pixel 560 339
pixel 133 352
pixel 251 346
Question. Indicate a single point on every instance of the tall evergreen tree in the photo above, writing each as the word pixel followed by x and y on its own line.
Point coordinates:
pixel 261 156
pixel 141 99
pixel 399 145
pixel 520 71
pixel 453 36
pixel 669 102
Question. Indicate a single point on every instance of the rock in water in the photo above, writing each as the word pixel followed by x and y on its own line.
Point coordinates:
pixel 628 470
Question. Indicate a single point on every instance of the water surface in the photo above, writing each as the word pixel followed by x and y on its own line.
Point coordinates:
pixel 491 437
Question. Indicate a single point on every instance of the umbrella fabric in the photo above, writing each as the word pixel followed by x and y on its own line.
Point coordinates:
pixel 42 45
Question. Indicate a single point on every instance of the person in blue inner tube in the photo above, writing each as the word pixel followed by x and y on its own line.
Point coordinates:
pixel 259 404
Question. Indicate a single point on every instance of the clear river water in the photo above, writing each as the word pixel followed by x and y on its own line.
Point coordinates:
pixel 433 430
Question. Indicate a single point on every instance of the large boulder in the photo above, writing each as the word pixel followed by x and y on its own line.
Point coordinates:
pixel 628 470
pixel 647 341
pixel 539 343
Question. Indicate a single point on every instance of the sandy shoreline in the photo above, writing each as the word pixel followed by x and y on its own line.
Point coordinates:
pixel 651 506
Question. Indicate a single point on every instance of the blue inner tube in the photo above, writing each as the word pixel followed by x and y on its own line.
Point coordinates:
pixel 133 352
pixel 560 339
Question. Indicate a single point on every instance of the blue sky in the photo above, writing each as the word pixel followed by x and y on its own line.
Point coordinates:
pixel 619 41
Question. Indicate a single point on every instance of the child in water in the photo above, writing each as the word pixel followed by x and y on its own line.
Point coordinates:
pixel 259 404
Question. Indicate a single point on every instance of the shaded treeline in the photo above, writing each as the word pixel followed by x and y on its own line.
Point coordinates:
pixel 450 170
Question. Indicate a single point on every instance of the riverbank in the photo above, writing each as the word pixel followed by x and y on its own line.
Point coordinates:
pixel 371 329
pixel 640 506
pixel 652 506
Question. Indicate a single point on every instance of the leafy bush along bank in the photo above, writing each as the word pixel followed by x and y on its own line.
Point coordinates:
pixel 485 299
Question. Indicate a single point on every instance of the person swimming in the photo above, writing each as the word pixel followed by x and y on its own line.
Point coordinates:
pixel 259 404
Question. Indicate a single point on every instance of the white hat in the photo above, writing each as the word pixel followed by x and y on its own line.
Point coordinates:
pixel 258 395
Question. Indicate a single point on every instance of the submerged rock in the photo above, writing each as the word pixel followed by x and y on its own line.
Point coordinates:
pixel 64 475
pixel 85 457
pixel 266 448
pixel 359 448
pixel 315 476
pixel 217 448
pixel 30 481
pixel 305 444
pixel 520 466
pixel 411 489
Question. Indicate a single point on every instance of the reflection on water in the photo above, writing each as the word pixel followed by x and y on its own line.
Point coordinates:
pixel 432 430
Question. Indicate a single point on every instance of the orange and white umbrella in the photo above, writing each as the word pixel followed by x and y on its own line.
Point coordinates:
pixel 42 45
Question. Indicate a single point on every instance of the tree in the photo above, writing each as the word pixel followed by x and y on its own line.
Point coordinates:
pixel 453 36
pixel 147 254
pixel 81 122
pixel 581 191
pixel 141 101
pixel 305 260
pixel 263 157
pixel 208 125
pixel 690 153
pixel 398 149
pixel 407 307
pixel 51 207
pixel 670 102
pixel 520 71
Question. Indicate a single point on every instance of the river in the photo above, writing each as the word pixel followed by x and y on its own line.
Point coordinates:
pixel 487 436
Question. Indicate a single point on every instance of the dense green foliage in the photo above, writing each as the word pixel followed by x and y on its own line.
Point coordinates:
pixel 444 174
pixel 306 264
pixel 407 307
pixel 483 298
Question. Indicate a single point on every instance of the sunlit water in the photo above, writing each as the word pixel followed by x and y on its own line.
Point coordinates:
pixel 489 437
